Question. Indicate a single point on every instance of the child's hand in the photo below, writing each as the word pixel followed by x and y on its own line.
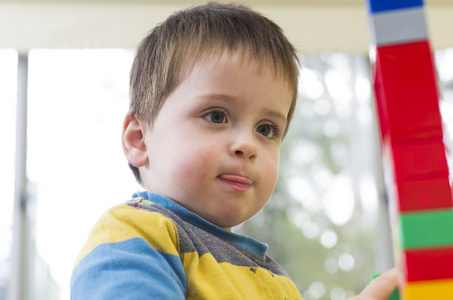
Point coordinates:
pixel 380 288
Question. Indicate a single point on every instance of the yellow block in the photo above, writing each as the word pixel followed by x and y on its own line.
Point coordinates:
pixel 425 290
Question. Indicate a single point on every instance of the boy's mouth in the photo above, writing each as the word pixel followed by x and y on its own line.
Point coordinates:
pixel 236 182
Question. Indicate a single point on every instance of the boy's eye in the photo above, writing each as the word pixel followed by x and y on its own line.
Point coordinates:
pixel 268 130
pixel 216 116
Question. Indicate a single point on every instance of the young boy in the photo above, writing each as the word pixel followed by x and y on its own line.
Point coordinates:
pixel 213 89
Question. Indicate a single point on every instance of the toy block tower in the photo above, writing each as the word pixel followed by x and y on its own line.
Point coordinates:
pixel 415 166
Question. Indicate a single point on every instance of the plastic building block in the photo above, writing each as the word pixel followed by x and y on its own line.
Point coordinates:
pixel 427 264
pixel 398 26
pixel 383 5
pixel 395 295
pixel 424 290
pixel 426 229
pixel 380 102
pixel 411 191
pixel 407 94
pixel 423 194
pixel 424 159
pixel 412 168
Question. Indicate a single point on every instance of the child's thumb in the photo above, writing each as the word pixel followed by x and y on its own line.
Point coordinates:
pixel 380 288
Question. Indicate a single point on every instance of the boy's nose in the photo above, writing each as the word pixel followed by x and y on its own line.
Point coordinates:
pixel 244 146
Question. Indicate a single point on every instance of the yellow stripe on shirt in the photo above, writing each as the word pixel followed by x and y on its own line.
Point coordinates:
pixel 124 222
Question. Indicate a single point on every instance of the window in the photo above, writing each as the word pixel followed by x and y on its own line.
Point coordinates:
pixel 322 224
pixel 77 101
pixel 8 79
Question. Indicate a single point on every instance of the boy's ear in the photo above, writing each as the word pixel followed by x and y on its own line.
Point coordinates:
pixel 133 141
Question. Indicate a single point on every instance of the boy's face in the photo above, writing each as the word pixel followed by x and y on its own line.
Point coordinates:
pixel 214 146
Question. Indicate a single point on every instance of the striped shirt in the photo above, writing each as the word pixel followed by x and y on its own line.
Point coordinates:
pixel 152 248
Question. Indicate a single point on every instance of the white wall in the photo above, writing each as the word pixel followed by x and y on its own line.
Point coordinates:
pixel 312 25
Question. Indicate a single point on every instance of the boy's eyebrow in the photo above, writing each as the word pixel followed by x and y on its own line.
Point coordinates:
pixel 229 99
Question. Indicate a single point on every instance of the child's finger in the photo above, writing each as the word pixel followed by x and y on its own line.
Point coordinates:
pixel 381 287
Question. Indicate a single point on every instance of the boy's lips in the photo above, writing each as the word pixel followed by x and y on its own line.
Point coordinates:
pixel 237 182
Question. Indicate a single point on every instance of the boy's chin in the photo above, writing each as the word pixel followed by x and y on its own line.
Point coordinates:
pixel 228 223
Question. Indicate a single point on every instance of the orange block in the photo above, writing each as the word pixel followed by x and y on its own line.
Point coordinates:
pixel 426 290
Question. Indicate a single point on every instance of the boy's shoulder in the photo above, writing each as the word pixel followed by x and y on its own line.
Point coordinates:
pixel 133 218
pixel 142 206
pixel 125 223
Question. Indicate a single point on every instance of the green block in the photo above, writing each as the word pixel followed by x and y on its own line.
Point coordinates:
pixel 395 295
pixel 427 229
pixel 374 276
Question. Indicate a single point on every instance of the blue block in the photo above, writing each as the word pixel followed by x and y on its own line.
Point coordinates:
pixel 376 6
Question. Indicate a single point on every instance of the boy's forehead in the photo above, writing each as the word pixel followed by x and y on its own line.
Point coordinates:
pixel 240 58
pixel 235 64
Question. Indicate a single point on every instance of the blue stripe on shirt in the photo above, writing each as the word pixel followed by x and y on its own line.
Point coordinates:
pixel 130 269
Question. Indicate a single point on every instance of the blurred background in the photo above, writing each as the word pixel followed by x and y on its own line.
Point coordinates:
pixel 64 67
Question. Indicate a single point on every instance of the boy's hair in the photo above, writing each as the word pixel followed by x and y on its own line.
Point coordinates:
pixel 172 48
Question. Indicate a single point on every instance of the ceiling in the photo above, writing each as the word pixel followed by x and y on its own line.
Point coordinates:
pixel 312 25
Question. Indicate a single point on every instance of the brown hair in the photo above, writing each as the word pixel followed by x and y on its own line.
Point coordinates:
pixel 172 48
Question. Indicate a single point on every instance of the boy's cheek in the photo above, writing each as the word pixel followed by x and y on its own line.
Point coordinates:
pixel 270 175
pixel 195 168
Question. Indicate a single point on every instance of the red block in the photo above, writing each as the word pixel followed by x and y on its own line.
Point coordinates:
pixel 425 194
pixel 419 160
pixel 406 92
pixel 419 174
pixel 380 102
pixel 427 264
